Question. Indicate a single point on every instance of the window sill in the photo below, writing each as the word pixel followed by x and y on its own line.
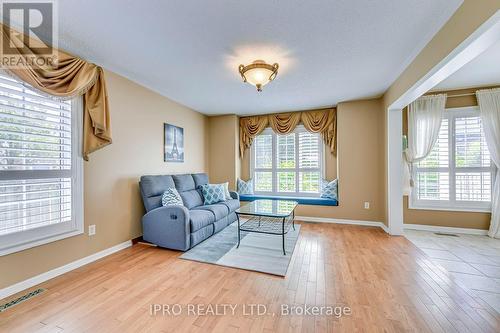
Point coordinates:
pixel 452 209
pixel 301 200
pixel 37 242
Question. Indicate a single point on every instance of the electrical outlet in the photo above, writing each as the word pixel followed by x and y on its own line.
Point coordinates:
pixel 367 205
pixel 92 230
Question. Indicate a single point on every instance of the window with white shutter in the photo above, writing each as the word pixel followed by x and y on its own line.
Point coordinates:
pixel 288 164
pixel 458 173
pixel 40 167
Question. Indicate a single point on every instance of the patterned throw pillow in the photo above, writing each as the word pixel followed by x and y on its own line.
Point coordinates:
pixel 245 187
pixel 213 193
pixel 329 189
pixel 171 198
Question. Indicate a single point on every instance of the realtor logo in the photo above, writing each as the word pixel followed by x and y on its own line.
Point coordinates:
pixel 36 20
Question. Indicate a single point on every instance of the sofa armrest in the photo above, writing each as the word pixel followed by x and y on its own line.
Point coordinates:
pixel 234 195
pixel 168 227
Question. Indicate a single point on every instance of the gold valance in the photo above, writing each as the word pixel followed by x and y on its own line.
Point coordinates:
pixel 67 78
pixel 316 121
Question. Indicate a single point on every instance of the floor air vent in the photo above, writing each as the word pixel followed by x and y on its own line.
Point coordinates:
pixel 23 298
pixel 445 234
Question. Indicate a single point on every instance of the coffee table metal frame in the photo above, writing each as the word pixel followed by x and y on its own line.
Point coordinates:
pixel 264 224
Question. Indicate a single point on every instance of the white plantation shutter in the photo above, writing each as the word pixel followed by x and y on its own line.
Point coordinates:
pixel 286 151
pixel 309 150
pixel 286 163
pixel 37 164
pixel 264 151
pixel 263 156
pixel 473 162
pixel 470 145
pixel 458 173
pixel 296 164
pixel 309 162
pixel 433 185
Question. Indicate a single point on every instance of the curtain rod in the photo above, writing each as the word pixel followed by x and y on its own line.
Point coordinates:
pixel 462 95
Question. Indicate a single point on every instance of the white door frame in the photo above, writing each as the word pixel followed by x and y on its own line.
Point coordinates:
pixel 480 40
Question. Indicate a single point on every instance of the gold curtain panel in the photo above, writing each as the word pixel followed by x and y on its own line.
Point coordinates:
pixel 250 127
pixel 316 121
pixel 69 77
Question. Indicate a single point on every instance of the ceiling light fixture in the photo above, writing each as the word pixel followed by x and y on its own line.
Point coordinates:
pixel 258 73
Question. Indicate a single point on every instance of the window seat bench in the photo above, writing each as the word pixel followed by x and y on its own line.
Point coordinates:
pixel 300 200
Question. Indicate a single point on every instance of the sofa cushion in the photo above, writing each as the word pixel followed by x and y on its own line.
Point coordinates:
pixel 232 204
pixel 200 218
pixel 218 210
pixel 202 234
pixel 155 185
pixel 152 202
pixel 200 179
pixel 152 189
pixel 220 224
pixel 184 182
pixel 192 198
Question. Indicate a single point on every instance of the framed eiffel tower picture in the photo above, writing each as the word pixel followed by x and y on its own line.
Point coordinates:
pixel 173 143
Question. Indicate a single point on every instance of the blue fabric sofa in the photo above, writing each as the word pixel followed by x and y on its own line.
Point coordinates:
pixel 182 227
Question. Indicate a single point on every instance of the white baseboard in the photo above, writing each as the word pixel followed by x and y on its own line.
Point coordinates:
pixel 343 221
pixel 20 286
pixel 451 230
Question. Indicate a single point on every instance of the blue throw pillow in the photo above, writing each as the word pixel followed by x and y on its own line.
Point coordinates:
pixel 213 193
pixel 171 198
pixel 245 187
pixel 329 189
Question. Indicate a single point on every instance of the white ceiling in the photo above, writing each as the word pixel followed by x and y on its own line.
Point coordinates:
pixel 329 51
pixel 481 71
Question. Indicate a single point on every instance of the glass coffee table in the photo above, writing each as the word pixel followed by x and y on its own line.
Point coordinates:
pixel 272 217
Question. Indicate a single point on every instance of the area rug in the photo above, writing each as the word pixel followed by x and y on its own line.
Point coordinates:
pixel 257 252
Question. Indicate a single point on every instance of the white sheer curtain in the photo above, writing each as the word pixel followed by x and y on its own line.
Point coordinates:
pixel 489 106
pixel 424 121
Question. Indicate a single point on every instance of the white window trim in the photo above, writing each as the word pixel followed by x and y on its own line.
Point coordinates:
pixel 18 241
pixel 274 169
pixel 453 204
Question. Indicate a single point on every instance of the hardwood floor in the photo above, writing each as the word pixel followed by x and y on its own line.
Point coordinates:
pixel 388 284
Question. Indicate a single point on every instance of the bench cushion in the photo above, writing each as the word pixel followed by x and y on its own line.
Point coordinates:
pixel 300 200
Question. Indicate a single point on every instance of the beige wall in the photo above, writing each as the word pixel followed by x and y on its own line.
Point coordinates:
pixel 223 149
pixel 468 17
pixel 112 200
pixel 442 218
pixel 474 220
pixel 359 164
pixel 360 153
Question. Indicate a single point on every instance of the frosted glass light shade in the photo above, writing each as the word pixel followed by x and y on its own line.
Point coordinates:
pixel 258 73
